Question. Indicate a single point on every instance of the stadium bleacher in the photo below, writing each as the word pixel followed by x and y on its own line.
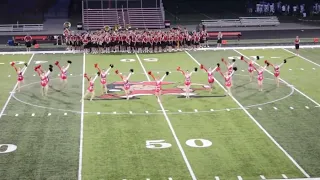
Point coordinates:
pixel 242 22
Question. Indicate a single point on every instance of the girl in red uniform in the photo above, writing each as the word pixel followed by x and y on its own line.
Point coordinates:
pixel 126 85
pixel 90 89
pixel 19 72
pixel 63 75
pixel 44 79
pixel 103 77
pixel 260 75
pixel 187 81
pixel 296 43
pixel 228 79
pixel 250 66
pixel 158 90
pixel 276 72
pixel 229 67
pixel 210 75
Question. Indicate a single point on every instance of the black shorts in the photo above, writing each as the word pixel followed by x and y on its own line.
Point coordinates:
pixel 219 41
pixel 297 46
pixel 28 44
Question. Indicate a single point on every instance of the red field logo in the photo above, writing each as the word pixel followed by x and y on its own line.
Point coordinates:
pixel 146 88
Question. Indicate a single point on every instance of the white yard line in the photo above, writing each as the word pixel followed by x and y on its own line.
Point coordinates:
pixel 258 124
pixel 301 57
pixel 171 127
pixel 284 82
pixel 14 88
pixel 82 117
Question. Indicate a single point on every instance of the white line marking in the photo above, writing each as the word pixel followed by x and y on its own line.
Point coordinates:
pixel 32 114
pixel 259 108
pixel 291 108
pixel 302 69
pixel 211 110
pixel 307 107
pixel 275 108
pixel 239 177
pixel 34 75
pixel 275 57
pixel 314 68
pixel 228 109
pixel 196 110
pixel 65 114
pixel 1 63
pixel 273 140
pixel 147 112
pixel 179 111
pixel 170 178
pixel 258 124
pixel 290 69
pixel 49 114
pixel 98 113
pixel 317 106
pixel 242 70
pixel 130 112
pixel 216 178
pixel 17 114
pixel 285 82
pixel 82 117
pixel 9 75
pixel 171 127
pixel 147 179
pixel 11 94
pixel 262 177
pixel 114 112
pixel 70 74
pixel 301 57
pixel 284 176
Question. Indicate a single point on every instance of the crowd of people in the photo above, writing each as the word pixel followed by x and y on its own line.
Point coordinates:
pixel 138 41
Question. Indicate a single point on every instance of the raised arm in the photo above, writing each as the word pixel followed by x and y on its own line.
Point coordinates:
pixel 242 58
pixel 94 79
pixel 150 73
pixel 178 69
pixel 111 66
pixel 284 61
pixel 225 62
pixel 117 72
pixel 13 65
pixel 86 76
pixel 202 67
pixel 58 65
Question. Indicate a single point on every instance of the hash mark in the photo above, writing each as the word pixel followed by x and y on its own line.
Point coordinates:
pixel 147 112
pixel 307 107
pixel 239 177
pixel 170 178
pixel 217 178
pixel 262 177
pixel 290 69
pixel 291 108
pixel 228 109
pixel 196 110
pixel 65 114
pixel 34 75
pixel 114 112
pixel 179 111
pixel 275 108
pixel 157 72
pixel 147 179
pixel 49 114
pixel 32 114
pixel 130 112
pixel 17 114
pixel 302 69
pixel 284 176
pixel 211 110
pixel 9 75
pixel 98 113
pixel 70 74
pixel 242 70
pixel 259 108
pixel 314 68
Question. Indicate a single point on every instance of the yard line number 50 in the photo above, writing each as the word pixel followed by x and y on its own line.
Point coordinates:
pixel 161 144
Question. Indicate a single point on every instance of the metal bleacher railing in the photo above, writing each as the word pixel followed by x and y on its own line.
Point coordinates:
pixel 242 22
pixel 20 27
pixel 138 13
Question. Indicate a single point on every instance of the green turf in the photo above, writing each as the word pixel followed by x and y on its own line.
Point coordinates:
pixel 116 132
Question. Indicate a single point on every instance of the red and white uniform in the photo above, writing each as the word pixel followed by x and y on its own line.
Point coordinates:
pixel 158 86
pixel 230 69
pixel 44 81
pixel 103 79
pixel 210 77
pixel 276 71
pixel 260 75
pixel 250 68
pixel 228 81
pixel 91 85
pixel 20 76
pixel 187 80
pixel 126 85
pixel 63 74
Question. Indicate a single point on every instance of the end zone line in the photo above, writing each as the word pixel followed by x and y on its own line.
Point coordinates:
pixel 318 104
pixel 280 147
pixel 81 124
pixel 14 88
pixel 171 127
pixel 301 57
pixel 258 124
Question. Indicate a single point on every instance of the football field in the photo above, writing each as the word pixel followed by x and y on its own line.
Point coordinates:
pixel 273 134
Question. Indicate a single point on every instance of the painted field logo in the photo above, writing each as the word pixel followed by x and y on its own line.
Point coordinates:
pixel 146 89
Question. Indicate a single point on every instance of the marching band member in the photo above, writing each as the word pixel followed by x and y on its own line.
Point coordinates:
pixel 276 72
pixel 250 66
pixel 210 72
pixel 158 89
pixel 103 77
pixel 90 89
pixel 44 79
pixel 63 75
pixel 187 81
pixel 260 75
pixel 126 85
pixel 19 72
pixel 228 79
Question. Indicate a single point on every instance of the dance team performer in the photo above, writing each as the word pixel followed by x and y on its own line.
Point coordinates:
pixel 125 79
pixel 250 66
pixel 228 79
pixel 90 89
pixel 229 66
pixel 260 75
pixel 210 72
pixel 103 77
pixel 158 89
pixel 44 79
pixel 19 72
pixel 63 71
pixel 187 81
pixel 276 73
pixel 296 44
